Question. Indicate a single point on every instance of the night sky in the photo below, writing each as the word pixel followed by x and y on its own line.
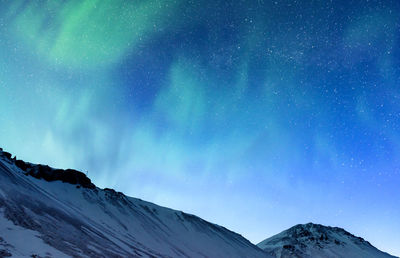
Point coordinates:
pixel 256 115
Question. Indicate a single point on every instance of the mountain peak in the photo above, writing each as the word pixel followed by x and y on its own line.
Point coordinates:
pixel 318 232
pixel 316 240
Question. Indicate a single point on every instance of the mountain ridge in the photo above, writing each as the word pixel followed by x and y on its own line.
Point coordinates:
pixel 316 240
pixel 64 214
pixel 69 218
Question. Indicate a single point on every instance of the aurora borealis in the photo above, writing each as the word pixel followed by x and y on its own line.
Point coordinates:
pixel 256 115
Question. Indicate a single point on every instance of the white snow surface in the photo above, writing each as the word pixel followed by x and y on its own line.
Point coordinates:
pixel 22 242
pixel 56 219
pixel 318 241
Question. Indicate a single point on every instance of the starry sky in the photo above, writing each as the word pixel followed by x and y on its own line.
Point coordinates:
pixel 256 115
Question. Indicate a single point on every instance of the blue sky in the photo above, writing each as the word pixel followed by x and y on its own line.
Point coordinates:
pixel 256 115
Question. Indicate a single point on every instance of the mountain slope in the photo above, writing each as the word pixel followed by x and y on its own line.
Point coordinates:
pixel 60 213
pixel 314 240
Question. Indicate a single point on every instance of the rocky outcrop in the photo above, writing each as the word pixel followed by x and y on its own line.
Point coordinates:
pixel 47 173
pixel 315 241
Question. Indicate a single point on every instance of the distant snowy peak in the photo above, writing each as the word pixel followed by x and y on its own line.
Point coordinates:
pixel 315 240
pixel 315 234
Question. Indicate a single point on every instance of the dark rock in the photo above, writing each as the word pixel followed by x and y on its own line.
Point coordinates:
pixel 47 173
pixel 117 197
pixel 114 194
pixel 289 247
pixel 5 253
pixel 42 171
pixel 22 165
pixel 70 176
pixel 323 237
pixel 75 177
pixel 7 155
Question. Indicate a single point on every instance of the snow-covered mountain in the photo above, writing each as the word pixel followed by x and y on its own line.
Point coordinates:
pixel 46 212
pixel 60 213
pixel 318 241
